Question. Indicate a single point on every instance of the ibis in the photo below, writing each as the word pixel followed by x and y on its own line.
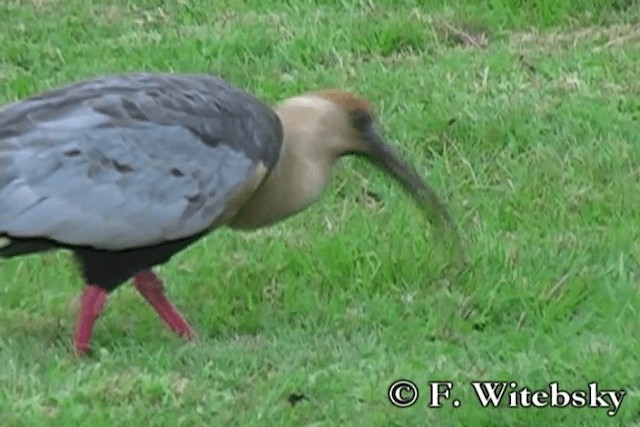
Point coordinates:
pixel 127 170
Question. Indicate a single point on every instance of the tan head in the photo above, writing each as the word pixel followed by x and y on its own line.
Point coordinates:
pixel 332 123
pixel 319 128
pixel 368 142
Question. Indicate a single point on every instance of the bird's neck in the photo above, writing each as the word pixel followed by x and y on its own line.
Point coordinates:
pixel 300 175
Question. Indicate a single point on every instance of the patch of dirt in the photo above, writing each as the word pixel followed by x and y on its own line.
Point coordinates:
pixel 463 35
pixel 38 6
pixel 606 37
pixel 453 31
pixel 42 5
pixel 109 12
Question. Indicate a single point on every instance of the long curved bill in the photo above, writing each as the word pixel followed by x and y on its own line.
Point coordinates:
pixel 386 157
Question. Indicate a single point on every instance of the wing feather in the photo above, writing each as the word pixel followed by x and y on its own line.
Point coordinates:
pixel 130 161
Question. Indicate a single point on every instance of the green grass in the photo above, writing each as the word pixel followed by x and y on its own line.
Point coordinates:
pixel 524 115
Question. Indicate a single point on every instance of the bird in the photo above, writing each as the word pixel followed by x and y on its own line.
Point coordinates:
pixel 127 170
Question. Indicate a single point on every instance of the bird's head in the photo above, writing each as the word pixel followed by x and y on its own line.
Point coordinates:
pixel 342 123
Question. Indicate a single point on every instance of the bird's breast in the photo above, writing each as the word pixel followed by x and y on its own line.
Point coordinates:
pixel 285 192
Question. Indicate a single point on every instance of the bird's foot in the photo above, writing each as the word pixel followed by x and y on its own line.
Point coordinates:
pixel 92 303
pixel 151 288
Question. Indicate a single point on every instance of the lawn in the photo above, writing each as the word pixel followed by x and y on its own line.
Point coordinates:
pixel 525 116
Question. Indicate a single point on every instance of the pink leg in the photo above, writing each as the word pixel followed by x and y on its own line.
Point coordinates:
pixel 91 305
pixel 151 288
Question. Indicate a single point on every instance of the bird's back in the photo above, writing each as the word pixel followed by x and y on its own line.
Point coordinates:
pixel 129 100
pixel 131 160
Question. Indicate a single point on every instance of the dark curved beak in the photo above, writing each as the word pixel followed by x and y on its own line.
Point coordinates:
pixel 386 157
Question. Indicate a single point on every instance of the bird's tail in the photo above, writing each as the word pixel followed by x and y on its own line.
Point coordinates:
pixel 11 247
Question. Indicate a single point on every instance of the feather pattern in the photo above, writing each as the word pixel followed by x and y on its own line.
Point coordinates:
pixel 127 161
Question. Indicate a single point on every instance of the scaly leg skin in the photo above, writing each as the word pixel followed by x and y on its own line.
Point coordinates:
pixel 92 303
pixel 151 288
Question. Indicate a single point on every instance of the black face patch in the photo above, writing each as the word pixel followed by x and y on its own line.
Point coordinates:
pixel 361 120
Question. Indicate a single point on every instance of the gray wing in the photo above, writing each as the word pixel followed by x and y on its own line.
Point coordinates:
pixel 129 161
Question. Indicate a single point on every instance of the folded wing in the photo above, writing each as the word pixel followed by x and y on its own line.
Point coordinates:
pixel 130 161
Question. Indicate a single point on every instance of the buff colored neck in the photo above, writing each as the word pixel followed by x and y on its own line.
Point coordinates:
pixel 316 133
